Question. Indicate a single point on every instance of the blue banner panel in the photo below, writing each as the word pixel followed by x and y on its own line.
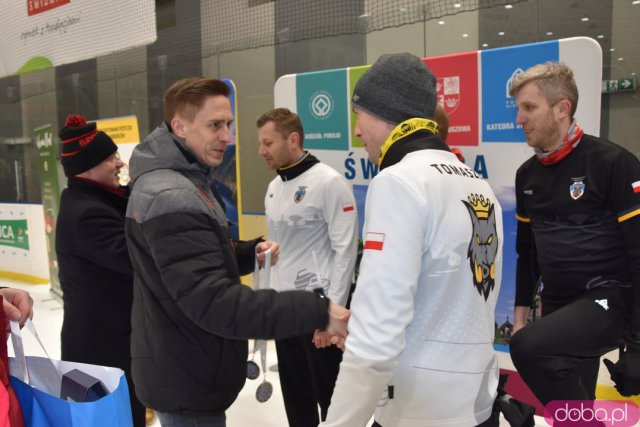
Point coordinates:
pixel 499 68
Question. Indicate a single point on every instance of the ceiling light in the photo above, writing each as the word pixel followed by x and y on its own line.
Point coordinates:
pixel 621 59
pixel 613 49
pixel 549 33
pixel 457 5
pixel 465 35
pixel 508 6
pixel 441 22
pixel 501 33
pixel 600 36
pixel 633 74
pixel 585 19
pixel 485 45
pixel 635 2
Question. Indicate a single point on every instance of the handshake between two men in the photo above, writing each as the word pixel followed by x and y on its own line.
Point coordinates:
pixel 336 331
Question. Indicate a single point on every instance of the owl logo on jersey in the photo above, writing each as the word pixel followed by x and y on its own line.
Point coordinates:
pixel 299 195
pixel 484 243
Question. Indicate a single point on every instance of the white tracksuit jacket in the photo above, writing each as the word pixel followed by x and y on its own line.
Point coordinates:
pixel 313 213
pixel 420 324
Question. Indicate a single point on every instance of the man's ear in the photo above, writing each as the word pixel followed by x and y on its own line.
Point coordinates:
pixel 294 139
pixel 178 126
pixel 564 109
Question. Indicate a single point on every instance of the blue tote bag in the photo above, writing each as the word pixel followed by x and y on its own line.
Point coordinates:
pixel 37 383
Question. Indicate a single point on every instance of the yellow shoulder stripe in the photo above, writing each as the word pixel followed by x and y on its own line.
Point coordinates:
pixel 629 215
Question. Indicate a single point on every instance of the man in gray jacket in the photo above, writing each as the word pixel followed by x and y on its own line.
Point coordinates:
pixel 191 316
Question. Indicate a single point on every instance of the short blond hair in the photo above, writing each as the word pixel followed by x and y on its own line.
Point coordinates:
pixel 554 79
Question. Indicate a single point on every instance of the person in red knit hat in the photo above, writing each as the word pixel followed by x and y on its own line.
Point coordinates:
pixel 95 272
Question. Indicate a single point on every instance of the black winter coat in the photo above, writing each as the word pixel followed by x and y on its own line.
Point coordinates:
pixel 191 315
pixel 95 275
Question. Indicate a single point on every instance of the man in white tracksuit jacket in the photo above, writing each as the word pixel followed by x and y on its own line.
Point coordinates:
pixel 311 213
pixel 419 350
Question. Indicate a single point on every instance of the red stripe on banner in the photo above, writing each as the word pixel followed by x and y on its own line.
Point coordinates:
pixel 347 208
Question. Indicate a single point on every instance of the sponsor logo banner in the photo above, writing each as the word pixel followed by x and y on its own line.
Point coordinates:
pixel 323 104
pixel 13 233
pixel 38 6
pixel 457 89
pixel 499 68
pixel 39 34
pixel 50 190
pixel 122 130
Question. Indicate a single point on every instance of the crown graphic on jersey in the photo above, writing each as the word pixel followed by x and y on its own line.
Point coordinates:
pixel 480 205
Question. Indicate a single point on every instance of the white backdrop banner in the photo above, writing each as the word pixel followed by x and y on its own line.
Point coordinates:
pixel 38 34
pixel 473 88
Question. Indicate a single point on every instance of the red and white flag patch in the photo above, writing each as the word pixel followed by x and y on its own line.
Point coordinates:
pixel 347 207
pixel 636 186
pixel 374 241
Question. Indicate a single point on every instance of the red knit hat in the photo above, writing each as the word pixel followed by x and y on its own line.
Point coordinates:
pixel 83 146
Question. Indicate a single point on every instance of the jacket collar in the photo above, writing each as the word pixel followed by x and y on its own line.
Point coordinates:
pixel 298 168
pixel 420 140
pixel 188 155
pixel 163 150
pixel 87 184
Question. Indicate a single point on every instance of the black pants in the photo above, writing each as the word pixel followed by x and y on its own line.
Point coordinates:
pixel 307 378
pixel 559 355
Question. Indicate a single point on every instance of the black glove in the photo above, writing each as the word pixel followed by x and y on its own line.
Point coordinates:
pixel 626 373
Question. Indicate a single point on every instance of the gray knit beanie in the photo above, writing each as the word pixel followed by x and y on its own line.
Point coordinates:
pixel 396 88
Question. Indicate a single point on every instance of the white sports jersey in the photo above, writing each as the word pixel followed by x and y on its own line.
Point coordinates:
pixel 313 218
pixel 419 350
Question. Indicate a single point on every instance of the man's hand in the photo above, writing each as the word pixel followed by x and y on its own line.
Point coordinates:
pixel 626 373
pixel 321 339
pixel 519 318
pixel 337 328
pixel 17 305
pixel 262 247
pixel 517 326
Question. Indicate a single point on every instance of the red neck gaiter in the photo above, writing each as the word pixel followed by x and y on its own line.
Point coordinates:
pixel 569 142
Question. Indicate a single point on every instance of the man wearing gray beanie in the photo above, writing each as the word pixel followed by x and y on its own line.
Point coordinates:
pixel 419 350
